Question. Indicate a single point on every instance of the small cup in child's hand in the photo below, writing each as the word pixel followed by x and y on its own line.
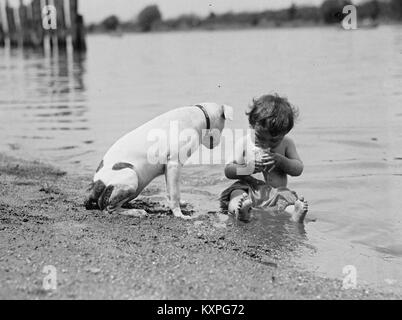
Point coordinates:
pixel 260 154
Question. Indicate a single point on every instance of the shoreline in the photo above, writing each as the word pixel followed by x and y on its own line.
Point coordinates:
pixel 102 256
pixel 217 28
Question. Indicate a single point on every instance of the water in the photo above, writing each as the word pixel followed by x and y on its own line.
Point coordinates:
pixel 68 110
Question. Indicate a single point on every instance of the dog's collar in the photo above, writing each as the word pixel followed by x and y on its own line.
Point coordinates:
pixel 211 139
pixel 206 116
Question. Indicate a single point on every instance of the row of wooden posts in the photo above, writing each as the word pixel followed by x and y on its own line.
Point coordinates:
pixel 38 22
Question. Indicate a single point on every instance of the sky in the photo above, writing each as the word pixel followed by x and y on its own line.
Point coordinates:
pixel 97 10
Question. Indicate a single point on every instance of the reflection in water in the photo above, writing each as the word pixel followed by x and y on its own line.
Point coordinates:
pixel 269 237
pixel 49 90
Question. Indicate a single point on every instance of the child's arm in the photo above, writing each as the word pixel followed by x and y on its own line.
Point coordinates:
pixel 237 171
pixel 291 163
pixel 239 168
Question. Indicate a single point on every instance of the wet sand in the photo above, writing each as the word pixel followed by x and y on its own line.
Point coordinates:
pixel 102 256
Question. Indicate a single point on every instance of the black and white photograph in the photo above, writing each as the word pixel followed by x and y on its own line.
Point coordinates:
pixel 217 150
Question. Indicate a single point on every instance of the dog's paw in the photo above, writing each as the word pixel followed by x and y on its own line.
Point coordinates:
pixel 182 203
pixel 178 214
pixel 138 213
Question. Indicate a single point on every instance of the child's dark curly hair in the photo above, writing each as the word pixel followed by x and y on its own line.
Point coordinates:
pixel 272 113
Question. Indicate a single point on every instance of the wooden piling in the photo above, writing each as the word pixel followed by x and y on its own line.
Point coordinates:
pixel 2 36
pixel 24 25
pixel 50 33
pixel 12 26
pixel 2 32
pixel 30 26
pixel 61 24
pixel 77 27
pixel 81 43
pixel 37 29
pixel 73 8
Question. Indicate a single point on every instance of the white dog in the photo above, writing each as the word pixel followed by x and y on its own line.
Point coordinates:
pixel 135 160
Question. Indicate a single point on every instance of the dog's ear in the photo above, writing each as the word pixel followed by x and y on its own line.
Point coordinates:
pixel 227 112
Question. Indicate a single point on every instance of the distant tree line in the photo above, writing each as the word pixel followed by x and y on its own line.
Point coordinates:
pixel 330 12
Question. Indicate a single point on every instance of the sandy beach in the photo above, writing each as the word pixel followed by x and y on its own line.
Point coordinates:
pixel 102 256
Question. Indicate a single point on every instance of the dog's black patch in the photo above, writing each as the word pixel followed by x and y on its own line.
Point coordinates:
pixel 104 198
pixel 90 204
pixel 122 165
pixel 95 191
pixel 100 166
pixel 99 187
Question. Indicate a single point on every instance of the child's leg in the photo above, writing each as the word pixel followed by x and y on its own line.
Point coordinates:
pixel 240 205
pixel 298 211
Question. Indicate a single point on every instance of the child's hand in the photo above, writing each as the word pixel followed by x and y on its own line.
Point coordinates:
pixel 259 166
pixel 263 162
pixel 270 161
